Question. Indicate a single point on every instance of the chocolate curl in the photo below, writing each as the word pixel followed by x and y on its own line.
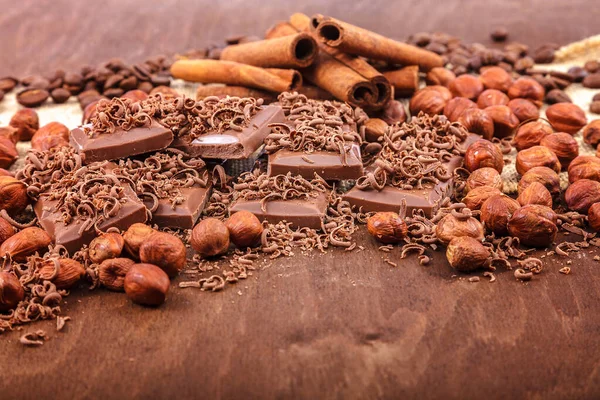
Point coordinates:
pixel 234 91
pixel 297 51
pixel 289 75
pixel 404 80
pixel 361 42
pixel 230 73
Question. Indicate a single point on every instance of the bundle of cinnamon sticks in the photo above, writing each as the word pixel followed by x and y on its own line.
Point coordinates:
pixel 321 57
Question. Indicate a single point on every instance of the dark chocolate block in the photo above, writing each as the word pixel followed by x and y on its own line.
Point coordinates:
pixel 301 213
pixel 50 219
pixel 233 144
pixel 325 163
pixel 184 215
pixel 121 143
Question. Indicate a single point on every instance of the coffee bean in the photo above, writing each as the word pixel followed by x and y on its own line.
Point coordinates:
pixel 113 92
pixel 113 81
pixel 420 39
pixel 215 53
pixel 73 79
pixel 595 107
pixel 141 72
pixel 1 94
pixel 129 83
pixel 91 85
pixel 592 81
pixel 544 55
pixel 60 95
pixel 596 97
pixel 8 83
pixel 592 66
pixel 557 96
pixel 160 80
pixel 56 83
pixel 578 73
pixel 39 83
pixel 145 87
pixel 500 34
pixel 32 97
pixel 115 64
pixel 436 47
pixel 524 63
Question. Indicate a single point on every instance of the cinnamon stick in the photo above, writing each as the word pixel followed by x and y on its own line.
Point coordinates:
pixel 295 51
pixel 230 73
pixel 315 92
pixel 404 80
pixel 234 91
pixel 289 75
pixel 352 39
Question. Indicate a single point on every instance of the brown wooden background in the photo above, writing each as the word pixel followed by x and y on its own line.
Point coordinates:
pixel 314 326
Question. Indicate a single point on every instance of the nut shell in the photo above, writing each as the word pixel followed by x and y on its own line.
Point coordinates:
pixel 537 156
pixel 505 122
pixel 468 86
pixel 496 211
pixel 50 135
pixel 534 225
pixel 27 122
pixel 387 227
pixel 580 195
pixel 477 196
pixel 527 88
pixel 11 291
pixel 109 245
pixel 210 237
pixel 584 167
pixel 594 217
pixel 25 243
pixel 531 134
pixel 450 227
pixel 13 195
pixel 484 177
pixel 135 236
pixel 112 273
pixel 245 229
pixel 563 145
pixel 524 109
pixel 535 193
pixel 69 272
pixel 466 254
pixel 496 78
pixel 146 284
pixel 566 117
pixel 483 153
pixel 591 133
pixel 543 175
pixel 477 121
pixel 164 250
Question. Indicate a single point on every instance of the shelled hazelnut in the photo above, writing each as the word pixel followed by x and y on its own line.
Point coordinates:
pixel 210 237
pixel 580 195
pixel 69 272
pixel 26 122
pixel 451 226
pixel 527 88
pixel 591 133
pixel 375 128
pixel 484 177
pixel 11 291
pixel 53 134
pixel 594 217
pixel 477 121
pixel 524 109
pixel 111 273
pixel 439 76
pixel 535 193
pixel 134 236
pixel 456 106
pixel 537 156
pixel 11 133
pixel 146 284
pixel 543 175
pixel 468 86
pixel 534 225
pixel 108 245
pixel 467 254
pixel 431 102
pixel 164 250
pixel 584 167
pixel 563 145
pixel 25 243
pixel 245 229
pixel 496 78
pixel 13 195
pixel 6 230
pixel 477 196
pixel 496 211
pixel 483 153
pixel 492 97
pixel 505 122
pixel 566 117
pixel 8 152
pixel 531 134
pixel 387 227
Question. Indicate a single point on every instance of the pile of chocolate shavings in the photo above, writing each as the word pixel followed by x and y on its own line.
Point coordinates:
pixel 117 113
pixel 162 176
pixel 316 125
pixel 414 153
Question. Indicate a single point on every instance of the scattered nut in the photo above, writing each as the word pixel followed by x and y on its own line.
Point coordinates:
pixel 387 227
pixel 245 229
pixel 496 211
pixel 505 122
pixel 531 134
pixel 496 78
pixel 374 129
pixel 563 145
pixel 210 238
pixel 64 273
pixel 543 175
pixel 583 167
pixel 484 177
pixel 524 109
pixel 451 227
pixel 26 122
pixel 566 117
pixel 456 106
pixel 50 135
pixel 478 195
pixel 580 195
pixel 13 195
pixel 137 234
pixel 467 254
pixel 10 133
pixel 146 284
pixel 535 193
pixel 477 121
pixel 112 273
pixel 591 133
pixel 11 291
pixel 492 97
pixel 483 153
pixel 527 88
pixel 439 76
pixel 429 101
pixel 534 225
pixel 165 251
pixel 537 156
pixel 108 245
pixel 468 86
pixel 25 243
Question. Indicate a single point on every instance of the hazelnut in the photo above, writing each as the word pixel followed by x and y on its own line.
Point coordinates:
pixel 374 129
pixel 456 106
pixel 484 177
pixel 50 135
pixel 6 230
pixel 13 195
pixel 534 225
pixel 543 175
pixel 245 229
pixel 112 273
pixel 496 78
pixel 580 195
pixel 26 122
pixel 492 97
pixel 452 226
pixel 429 101
pixel 4 172
pixel 25 243
pixel 535 193
pixel 483 153
pixel 531 134
pixel 8 152
pixel 135 236
pixel 387 227
pixel 468 86
pixel 393 112
pixel 584 167
pixel 594 217
pixel 505 122
pixel 524 109
pixel 527 88
pixel 135 95
pixel 591 133
pixel 108 245
pixel 146 284
pixel 166 91
pixel 477 121
pixel 10 133
pixel 537 156
pixel 477 196
pixel 89 112
pixel 439 76
pixel 466 254
pixel 11 291
pixel 210 238
pixel 496 211
pixel 566 117
pixel 165 251
pixel 64 272
pixel 563 145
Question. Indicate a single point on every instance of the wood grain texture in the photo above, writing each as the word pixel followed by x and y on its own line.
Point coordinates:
pixel 333 325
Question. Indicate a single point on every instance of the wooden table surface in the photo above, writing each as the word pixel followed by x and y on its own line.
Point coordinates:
pixel 336 325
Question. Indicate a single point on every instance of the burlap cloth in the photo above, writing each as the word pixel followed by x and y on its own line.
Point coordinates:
pixel 574 54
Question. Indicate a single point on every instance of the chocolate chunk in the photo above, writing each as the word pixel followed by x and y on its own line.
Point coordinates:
pixel 301 213
pixel 184 215
pixel 121 143
pixel 329 165
pixel 233 144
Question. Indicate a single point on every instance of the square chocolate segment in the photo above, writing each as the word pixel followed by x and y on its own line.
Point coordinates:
pixel 184 215
pixel 121 143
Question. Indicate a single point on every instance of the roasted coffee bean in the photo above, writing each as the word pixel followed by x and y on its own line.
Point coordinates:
pixel 56 83
pixel 436 47
pixel 73 79
pixel 592 81
pixel 39 83
pixel 543 55
pixel 141 72
pixel 32 97
pixel 129 83
pixel 160 80
pixel 523 64
pixel 113 81
pixel 113 92
pixel 60 95
pixel 115 64
pixel 578 73
pixel 595 107
pixel 592 66
pixel 91 85
pixel 596 97
pixel 420 39
pixel 560 83
pixel 1 94
pixel 8 83
pixel 557 96
pixel 215 53
pixel 500 34
pixel 145 87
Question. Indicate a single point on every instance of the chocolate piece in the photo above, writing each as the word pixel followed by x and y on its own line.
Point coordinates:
pixel 120 143
pixel 232 144
pixel 50 219
pixel 301 213
pixel 327 164
pixel 184 215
